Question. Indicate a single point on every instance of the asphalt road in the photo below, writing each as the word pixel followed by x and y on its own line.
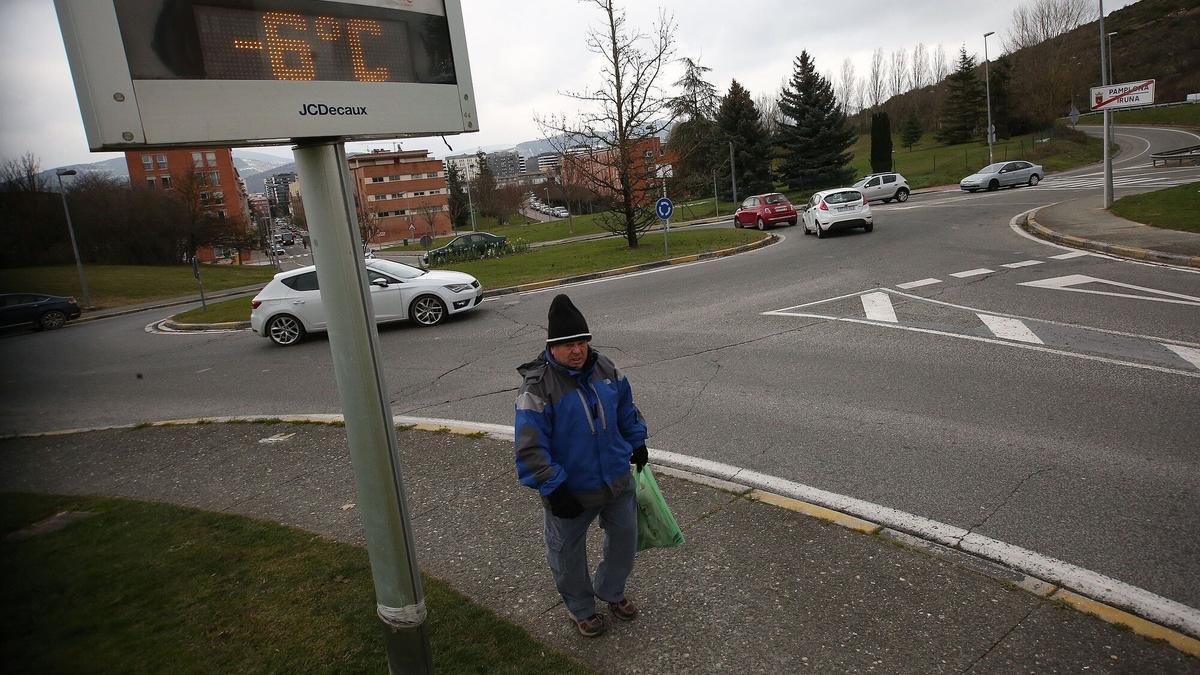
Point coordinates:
pixel 1060 422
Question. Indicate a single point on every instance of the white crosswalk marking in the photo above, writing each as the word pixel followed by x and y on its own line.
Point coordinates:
pixel 1068 256
pixel 878 307
pixel 1023 263
pixel 1096 181
pixel 918 283
pixel 972 273
pixel 1189 354
pixel 1009 329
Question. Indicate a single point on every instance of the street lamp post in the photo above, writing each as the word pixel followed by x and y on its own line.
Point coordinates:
pixel 987 83
pixel 1107 135
pixel 87 300
pixel 1110 57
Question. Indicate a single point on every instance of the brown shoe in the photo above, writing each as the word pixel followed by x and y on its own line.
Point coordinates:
pixel 592 626
pixel 624 610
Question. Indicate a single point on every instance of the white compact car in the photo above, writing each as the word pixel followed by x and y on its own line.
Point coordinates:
pixel 838 209
pixel 290 306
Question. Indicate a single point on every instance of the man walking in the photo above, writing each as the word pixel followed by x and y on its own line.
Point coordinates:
pixel 577 432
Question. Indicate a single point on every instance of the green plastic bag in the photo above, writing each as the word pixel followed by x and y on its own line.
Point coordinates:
pixel 656 526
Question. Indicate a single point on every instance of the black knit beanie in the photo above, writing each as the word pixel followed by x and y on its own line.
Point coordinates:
pixel 565 322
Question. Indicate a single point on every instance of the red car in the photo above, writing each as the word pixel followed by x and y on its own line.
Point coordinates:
pixel 763 210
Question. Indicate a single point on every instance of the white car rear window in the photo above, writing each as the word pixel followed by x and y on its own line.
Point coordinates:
pixel 843 197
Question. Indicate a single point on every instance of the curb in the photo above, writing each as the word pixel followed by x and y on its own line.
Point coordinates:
pixel 228 293
pixel 716 476
pixel 535 285
pixel 1035 228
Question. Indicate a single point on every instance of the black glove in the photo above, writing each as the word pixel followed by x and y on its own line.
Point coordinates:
pixel 563 504
pixel 640 456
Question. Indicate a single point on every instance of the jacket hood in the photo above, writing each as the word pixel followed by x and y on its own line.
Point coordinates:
pixel 544 360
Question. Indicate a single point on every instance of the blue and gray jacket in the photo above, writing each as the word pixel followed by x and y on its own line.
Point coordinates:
pixel 577 427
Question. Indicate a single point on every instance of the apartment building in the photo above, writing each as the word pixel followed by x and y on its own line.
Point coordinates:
pixel 403 192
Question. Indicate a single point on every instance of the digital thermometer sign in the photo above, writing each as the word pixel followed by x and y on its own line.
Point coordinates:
pixel 248 72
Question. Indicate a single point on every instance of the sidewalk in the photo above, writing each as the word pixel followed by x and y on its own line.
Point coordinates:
pixel 756 588
pixel 1085 223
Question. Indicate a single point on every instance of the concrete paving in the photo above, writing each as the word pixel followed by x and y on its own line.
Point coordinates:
pixel 756 588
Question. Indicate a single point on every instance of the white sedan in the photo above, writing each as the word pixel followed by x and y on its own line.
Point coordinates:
pixel 838 209
pixel 290 305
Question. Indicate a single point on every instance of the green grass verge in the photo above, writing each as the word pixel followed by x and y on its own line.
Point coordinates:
pixel 144 587
pixel 554 262
pixel 1176 115
pixel 117 285
pixel 235 309
pixel 1176 208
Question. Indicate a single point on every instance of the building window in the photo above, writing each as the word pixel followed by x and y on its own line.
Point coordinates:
pixel 162 161
pixel 432 175
pixel 150 182
pixel 211 157
pixel 221 214
pixel 203 197
pixel 377 179
pixel 166 182
pixel 214 178
pixel 147 162
pixel 197 160
pixel 219 197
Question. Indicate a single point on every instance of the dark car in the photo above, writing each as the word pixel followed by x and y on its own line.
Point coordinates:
pixel 481 243
pixel 44 312
pixel 763 210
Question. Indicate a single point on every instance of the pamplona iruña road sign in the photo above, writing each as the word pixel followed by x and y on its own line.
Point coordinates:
pixel 1124 95
pixel 317 73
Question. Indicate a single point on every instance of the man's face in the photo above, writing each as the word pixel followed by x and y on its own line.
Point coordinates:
pixel 570 354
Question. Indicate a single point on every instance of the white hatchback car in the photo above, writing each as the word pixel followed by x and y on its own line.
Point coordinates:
pixel 289 306
pixel 838 209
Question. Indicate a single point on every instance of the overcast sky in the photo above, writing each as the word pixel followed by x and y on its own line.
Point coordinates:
pixel 524 53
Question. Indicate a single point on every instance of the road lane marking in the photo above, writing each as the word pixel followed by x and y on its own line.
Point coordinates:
pixel 1009 329
pixel 919 283
pixel 1189 354
pixel 1068 256
pixel 972 273
pixel 1069 282
pixel 878 307
pixel 1023 263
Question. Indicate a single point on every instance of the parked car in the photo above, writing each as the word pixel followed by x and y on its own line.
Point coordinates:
pixel 1001 174
pixel 763 210
pixel 561 212
pixel 481 242
pixel 289 306
pixel 838 209
pixel 278 249
pixel 883 186
pixel 43 312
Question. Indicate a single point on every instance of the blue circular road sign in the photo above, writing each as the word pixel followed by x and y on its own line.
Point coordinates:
pixel 664 207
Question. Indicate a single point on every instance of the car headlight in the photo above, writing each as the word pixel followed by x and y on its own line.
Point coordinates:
pixel 457 288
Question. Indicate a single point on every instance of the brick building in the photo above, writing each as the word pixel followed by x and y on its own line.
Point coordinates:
pixel 209 173
pixel 403 192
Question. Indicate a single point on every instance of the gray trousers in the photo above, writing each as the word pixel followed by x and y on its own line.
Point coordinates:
pixel 566 551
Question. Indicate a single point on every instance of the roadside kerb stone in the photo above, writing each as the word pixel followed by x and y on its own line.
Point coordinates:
pixel 1031 225
pixel 537 285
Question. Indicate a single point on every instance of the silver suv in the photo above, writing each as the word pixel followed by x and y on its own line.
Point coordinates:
pixel 883 186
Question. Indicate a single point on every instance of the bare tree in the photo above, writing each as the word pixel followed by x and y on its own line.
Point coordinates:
pixel 425 218
pixel 1039 20
pixel 920 67
pixel 898 72
pixel 847 86
pixel 621 118
pixel 876 79
pixel 768 110
pixel 22 174
pixel 939 66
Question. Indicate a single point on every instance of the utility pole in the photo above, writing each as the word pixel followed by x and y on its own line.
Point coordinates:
pixel 87 301
pixel 987 83
pixel 1108 180
pixel 732 172
pixel 716 204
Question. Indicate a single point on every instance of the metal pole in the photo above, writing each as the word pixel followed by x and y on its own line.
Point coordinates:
pixel 666 223
pixel 1108 179
pixel 732 173
pixel 716 204
pixel 987 83
pixel 87 300
pixel 354 343
pixel 471 206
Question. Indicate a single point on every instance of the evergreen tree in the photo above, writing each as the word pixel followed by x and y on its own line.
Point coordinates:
pixel 965 103
pixel 739 122
pixel 691 141
pixel 881 142
pixel 460 215
pixel 910 131
pixel 813 138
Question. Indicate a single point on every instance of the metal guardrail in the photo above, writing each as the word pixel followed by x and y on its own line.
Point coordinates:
pixel 1181 155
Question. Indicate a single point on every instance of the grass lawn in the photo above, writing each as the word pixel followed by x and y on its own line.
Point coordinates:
pixel 235 309
pixel 1176 208
pixel 117 285
pixel 1176 115
pixel 144 587
pixel 553 262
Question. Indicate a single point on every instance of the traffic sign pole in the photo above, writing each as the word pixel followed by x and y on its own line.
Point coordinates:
pixel 1108 180
pixel 664 207
pixel 374 452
